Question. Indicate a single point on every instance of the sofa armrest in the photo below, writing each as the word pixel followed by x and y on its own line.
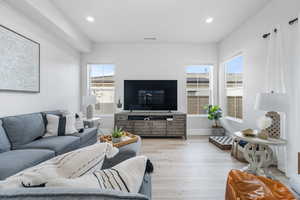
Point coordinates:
pixel 125 152
pixel 67 194
pixel 146 188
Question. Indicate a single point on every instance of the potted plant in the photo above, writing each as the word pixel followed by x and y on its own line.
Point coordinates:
pixel 117 135
pixel 215 114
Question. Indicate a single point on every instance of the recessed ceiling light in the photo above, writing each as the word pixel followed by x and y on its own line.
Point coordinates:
pixel 209 20
pixel 90 19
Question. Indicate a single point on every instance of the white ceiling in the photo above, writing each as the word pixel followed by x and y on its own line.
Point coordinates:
pixel 167 20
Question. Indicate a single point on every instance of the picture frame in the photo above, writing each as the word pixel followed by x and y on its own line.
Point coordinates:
pixel 19 62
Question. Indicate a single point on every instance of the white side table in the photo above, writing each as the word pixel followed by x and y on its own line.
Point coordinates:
pixel 94 122
pixel 258 153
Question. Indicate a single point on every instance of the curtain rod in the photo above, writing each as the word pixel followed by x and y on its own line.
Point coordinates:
pixel 266 35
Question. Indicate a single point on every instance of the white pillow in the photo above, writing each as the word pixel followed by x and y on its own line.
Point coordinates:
pixel 70 124
pixel 52 125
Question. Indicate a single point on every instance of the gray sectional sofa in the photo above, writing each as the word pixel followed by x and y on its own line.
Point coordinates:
pixel 22 145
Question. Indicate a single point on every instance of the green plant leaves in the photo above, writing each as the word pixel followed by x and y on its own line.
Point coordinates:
pixel 117 133
pixel 214 112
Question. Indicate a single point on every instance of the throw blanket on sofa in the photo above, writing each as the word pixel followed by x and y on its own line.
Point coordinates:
pixel 70 165
pixel 126 177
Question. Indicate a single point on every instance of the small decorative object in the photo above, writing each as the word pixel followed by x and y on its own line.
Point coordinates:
pixel 19 62
pixel 214 113
pixel 263 123
pixel 89 102
pixel 119 104
pixel 127 138
pixel 117 135
pixel 248 132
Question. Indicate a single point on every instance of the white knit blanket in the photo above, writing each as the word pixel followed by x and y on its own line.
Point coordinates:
pixel 126 177
pixel 70 165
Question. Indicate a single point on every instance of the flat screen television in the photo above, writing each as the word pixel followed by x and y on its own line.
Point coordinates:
pixel 150 95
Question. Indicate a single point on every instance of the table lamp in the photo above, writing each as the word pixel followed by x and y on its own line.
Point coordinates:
pixel 272 103
pixel 89 102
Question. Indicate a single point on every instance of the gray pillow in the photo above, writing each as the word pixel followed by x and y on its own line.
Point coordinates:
pixel 4 142
pixel 23 129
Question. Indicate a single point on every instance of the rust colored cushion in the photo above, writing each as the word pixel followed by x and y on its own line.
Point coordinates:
pixel 245 186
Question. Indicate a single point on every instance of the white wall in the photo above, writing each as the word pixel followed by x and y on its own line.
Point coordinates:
pixel 248 39
pixel 60 70
pixel 153 61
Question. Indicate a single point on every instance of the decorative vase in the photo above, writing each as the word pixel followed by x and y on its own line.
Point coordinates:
pixel 116 140
pixel 119 104
pixel 90 111
pixel 218 131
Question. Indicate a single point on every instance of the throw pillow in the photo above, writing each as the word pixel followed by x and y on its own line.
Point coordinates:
pixel 126 177
pixel 79 122
pixel 70 165
pixel 4 142
pixel 70 124
pixel 52 125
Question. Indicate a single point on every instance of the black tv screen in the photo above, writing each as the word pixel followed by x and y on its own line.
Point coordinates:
pixel 150 95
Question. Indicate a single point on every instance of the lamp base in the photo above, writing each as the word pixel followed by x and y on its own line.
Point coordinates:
pixel 274 129
pixel 90 112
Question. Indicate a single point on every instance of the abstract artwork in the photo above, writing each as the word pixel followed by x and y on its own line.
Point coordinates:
pixel 19 62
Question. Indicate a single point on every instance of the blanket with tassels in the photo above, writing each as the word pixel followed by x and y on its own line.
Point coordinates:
pixel 69 166
pixel 126 177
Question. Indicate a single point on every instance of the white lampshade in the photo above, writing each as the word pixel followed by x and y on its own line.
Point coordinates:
pixel 89 100
pixel 276 102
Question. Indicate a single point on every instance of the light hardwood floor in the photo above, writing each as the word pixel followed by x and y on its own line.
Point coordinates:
pixel 192 169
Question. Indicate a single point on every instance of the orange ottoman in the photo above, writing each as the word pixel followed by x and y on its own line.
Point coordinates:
pixel 245 186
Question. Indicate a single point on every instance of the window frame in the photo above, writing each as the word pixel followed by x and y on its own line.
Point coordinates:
pixel 211 87
pixel 239 54
pixel 88 91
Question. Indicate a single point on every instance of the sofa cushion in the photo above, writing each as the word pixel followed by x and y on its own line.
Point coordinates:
pixel 15 161
pixel 4 142
pixel 87 135
pixel 59 144
pixel 23 129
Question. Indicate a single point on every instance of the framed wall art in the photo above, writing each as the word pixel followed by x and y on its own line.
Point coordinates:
pixel 19 62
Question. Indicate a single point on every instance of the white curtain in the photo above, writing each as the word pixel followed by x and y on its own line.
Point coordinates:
pixel 276 63
pixel 283 72
pixel 293 114
pixel 276 71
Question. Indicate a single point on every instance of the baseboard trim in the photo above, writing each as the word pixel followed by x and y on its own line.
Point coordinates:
pixel 199 131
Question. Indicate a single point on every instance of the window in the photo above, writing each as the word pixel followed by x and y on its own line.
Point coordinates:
pixel 101 84
pixel 198 88
pixel 234 87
